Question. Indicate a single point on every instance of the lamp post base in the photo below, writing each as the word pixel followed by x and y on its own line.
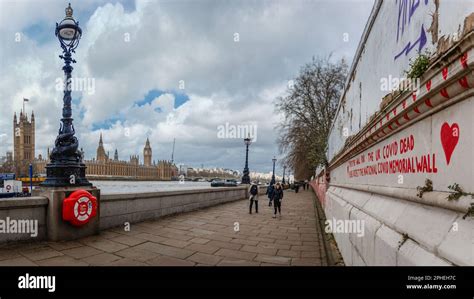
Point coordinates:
pixel 56 228
pixel 66 175
pixel 246 177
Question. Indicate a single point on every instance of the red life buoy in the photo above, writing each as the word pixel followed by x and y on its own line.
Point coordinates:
pixel 79 207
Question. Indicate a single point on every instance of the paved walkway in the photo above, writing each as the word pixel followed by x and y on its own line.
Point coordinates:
pixel 204 237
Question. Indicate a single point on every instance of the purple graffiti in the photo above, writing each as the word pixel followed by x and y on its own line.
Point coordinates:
pixel 406 9
pixel 413 7
pixel 421 41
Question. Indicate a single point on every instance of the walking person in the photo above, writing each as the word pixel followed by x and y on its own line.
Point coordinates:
pixel 253 197
pixel 297 187
pixel 269 193
pixel 277 197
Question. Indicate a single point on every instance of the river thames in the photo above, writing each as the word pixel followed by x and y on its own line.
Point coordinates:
pixel 117 187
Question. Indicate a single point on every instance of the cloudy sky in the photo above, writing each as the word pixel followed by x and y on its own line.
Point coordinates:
pixel 168 69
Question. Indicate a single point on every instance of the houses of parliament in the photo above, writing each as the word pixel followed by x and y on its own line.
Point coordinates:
pixel 102 166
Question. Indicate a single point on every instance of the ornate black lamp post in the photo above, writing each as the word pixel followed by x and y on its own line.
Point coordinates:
pixel 283 180
pixel 66 167
pixel 246 177
pixel 273 175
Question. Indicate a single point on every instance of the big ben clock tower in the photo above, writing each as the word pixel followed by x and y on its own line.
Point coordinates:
pixel 147 153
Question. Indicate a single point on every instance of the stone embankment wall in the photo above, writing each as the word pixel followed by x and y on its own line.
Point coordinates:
pixel 402 161
pixel 116 209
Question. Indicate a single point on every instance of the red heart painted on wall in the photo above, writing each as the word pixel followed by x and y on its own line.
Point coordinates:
pixel 445 73
pixel 428 85
pixel 444 93
pixel 463 82
pixel 464 60
pixel 449 139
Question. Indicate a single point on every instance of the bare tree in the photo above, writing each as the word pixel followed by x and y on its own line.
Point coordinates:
pixel 7 167
pixel 309 109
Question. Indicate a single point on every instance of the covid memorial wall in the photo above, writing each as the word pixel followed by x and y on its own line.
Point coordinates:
pixel 400 149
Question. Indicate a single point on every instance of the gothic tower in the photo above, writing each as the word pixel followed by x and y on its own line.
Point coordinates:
pixel 147 153
pixel 101 155
pixel 134 160
pixel 23 142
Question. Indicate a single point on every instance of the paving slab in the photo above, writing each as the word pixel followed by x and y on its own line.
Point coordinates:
pixel 102 259
pixel 81 252
pixel 223 235
pixel 203 258
pixel 40 253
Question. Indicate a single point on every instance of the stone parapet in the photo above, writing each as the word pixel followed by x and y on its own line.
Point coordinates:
pixel 20 210
pixel 119 209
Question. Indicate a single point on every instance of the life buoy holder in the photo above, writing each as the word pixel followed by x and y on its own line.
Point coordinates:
pixel 79 207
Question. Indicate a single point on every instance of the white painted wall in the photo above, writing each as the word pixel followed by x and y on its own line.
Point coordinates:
pixel 436 236
pixel 427 143
pixel 401 228
pixel 363 92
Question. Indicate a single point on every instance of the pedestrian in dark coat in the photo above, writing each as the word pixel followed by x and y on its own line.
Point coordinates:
pixel 253 197
pixel 269 192
pixel 277 197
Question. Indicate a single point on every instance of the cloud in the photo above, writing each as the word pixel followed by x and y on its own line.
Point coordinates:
pixel 132 50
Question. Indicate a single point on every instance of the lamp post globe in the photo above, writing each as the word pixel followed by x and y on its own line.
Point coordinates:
pixel 273 175
pixel 68 31
pixel 246 177
pixel 66 167
pixel 247 141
